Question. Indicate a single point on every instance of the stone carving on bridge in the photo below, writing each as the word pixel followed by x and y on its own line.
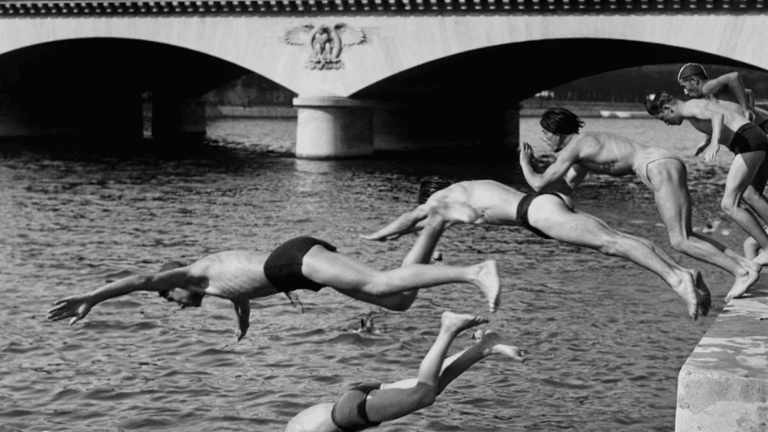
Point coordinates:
pixel 325 43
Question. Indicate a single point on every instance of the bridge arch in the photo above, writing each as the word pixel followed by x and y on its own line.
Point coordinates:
pixel 397 42
pixel 516 71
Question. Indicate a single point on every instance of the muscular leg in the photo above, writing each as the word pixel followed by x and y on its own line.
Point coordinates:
pixel 387 288
pixel 489 342
pixel 393 402
pixel 673 201
pixel 551 216
pixel 739 177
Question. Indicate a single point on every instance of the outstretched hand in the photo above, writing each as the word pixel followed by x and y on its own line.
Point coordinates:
pixel 76 307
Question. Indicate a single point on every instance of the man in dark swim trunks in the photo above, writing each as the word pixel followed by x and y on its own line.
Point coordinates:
pixel 300 263
pixel 729 92
pixel 748 143
pixel 578 153
pixel 368 405
pixel 493 203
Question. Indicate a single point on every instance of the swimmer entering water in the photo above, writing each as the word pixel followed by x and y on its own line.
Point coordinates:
pixel 545 214
pixel 369 404
pixel 300 263
pixel 578 153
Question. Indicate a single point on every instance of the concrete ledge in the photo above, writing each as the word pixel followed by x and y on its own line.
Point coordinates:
pixel 723 386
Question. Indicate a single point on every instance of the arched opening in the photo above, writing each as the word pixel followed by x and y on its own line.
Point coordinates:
pixel 100 88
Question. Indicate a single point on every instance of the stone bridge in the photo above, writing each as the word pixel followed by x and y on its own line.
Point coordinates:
pixel 380 74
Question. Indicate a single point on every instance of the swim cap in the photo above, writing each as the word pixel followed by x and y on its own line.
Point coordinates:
pixel 691 69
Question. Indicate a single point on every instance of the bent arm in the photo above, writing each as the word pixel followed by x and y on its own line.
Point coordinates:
pixel 733 82
pixel 716 120
pixel 556 171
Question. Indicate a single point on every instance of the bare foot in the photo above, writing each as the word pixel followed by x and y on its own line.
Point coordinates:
pixel 743 282
pixel 456 323
pixel 487 279
pixel 492 343
pixel 687 291
pixel 372 237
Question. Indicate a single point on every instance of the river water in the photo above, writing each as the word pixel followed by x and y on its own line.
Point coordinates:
pixel 605 338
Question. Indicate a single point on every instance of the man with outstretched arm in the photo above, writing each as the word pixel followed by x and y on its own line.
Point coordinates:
pixel 300 263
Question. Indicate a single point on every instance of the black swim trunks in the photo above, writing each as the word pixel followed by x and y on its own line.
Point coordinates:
pixel 283 266
pixel 522 211
pixel 747 139
pixel 348 414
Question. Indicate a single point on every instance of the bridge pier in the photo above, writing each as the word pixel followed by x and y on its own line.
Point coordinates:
pixel 175 117
pixel 333 127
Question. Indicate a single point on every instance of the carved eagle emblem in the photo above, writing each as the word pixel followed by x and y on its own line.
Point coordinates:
pixel 325 43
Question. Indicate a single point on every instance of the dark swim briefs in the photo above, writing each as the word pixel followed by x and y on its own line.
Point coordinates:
pixel 283 265
pixel 747 139
pixel 522 211
pixel 348 414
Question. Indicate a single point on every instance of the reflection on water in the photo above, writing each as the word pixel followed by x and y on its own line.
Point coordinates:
pixel 605 338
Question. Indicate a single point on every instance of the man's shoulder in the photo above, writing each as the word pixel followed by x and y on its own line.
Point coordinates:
pixel 590 141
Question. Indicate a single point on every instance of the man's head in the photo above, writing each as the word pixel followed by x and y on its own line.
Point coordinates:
pixel 557 123
pixel 182 297
pixel 665 107
pixel 692 77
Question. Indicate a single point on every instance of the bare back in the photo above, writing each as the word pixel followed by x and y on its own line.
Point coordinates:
pixel 231 275
pixel 732 121
pixel 604 152
pixel 478 202
pixel 728 102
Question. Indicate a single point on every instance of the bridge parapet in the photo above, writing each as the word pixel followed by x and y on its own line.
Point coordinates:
pixel 313 7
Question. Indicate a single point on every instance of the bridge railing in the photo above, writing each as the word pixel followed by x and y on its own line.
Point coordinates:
pixel 261 7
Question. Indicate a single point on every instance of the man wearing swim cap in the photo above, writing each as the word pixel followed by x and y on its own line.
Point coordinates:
pixel 547 215
pixel 578 153
pixel 748 143
pixel 729 91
